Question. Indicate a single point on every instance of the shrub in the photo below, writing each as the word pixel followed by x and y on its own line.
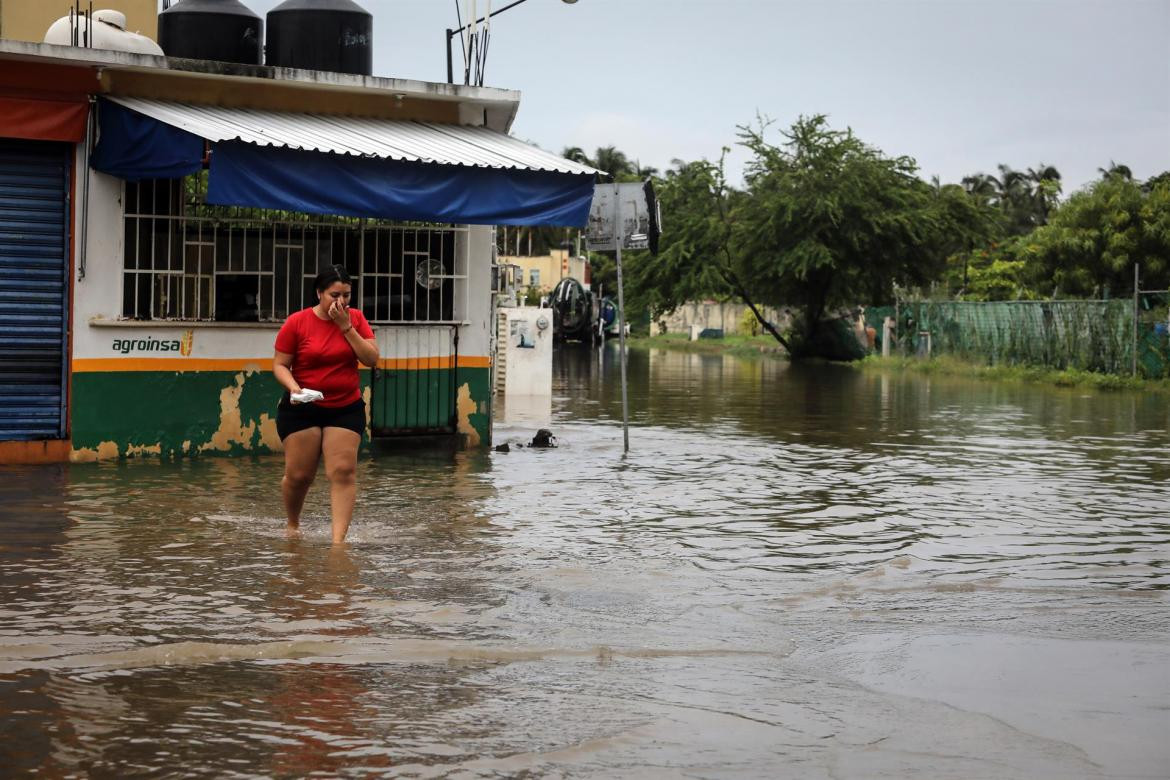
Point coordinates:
pixel 748 324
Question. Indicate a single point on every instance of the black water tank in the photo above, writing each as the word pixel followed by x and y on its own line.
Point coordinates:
pixel 223 30
pixel 333 35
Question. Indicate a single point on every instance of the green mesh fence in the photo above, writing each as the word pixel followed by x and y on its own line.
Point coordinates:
pixel 1087 335
pixel 1153 355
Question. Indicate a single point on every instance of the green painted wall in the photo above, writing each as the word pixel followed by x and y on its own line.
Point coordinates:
pixel 424 400
pixel 170 414
pixel 413 400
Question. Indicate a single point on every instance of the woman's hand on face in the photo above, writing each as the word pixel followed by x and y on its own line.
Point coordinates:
pixel 339 314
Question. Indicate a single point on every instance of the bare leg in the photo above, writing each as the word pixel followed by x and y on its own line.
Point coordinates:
pixel 340 446
pixel 302 453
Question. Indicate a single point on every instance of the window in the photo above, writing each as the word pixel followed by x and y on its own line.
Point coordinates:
pixel 186 260
pixel 534 277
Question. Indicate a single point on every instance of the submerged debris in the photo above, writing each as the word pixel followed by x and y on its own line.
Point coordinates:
pixel 543 438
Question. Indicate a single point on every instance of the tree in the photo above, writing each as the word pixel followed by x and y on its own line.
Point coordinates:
pixel 1014 197
pixel 983 187
pixel 1024 198
pixel 1116 171
pixel 1156 181
pixel 972 221
pixel 697 258
pixel 1095 237
pixel 834 221
pixel 825 222
pixel 612 160
pixel 643 172
pixel 993 272
pixel 1045 181
pixel 533 240
pixel 577 154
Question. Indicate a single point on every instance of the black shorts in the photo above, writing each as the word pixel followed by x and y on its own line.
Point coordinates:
pixel 291 417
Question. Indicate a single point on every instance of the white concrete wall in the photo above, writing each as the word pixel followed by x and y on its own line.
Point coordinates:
pixel 99 332
pixel 710 314
pixel 476 337
pixel 529 368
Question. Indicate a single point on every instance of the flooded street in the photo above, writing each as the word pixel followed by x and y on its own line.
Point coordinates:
pixel 809 572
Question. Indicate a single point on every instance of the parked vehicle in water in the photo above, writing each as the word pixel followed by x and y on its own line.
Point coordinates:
pixel 573 311
pixel 607 318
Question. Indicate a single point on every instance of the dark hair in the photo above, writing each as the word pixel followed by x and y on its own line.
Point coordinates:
pixel 335 273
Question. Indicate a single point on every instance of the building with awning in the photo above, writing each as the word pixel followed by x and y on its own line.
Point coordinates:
pixel 160 218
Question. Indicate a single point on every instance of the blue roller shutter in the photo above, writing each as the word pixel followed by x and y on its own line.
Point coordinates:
pixel 34 210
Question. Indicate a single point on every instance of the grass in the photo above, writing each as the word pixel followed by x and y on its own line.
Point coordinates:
pixel 733 344
pixel 1070 377
pixel 754 346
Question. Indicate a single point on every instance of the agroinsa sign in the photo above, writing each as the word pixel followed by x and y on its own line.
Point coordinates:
pixel 181 346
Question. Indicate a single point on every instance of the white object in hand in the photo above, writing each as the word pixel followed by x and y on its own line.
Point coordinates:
pixel 307 396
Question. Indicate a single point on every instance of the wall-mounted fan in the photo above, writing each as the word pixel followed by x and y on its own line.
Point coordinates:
pixel 428 272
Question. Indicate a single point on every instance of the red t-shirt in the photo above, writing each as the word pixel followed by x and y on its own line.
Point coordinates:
pixel 322 358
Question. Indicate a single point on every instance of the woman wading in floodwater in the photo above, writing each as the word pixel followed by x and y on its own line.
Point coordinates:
pixel 318 349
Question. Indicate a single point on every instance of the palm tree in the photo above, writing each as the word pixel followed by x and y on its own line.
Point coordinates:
pixel 1043 172
pixel 1116 171
pixel 609 159
pixel 1012 183
pixel 644 171
pixel 1045 190
pixel 612 161
pixel 1155 181
pixel 577 154
pixel 1016 199
pixel 982 186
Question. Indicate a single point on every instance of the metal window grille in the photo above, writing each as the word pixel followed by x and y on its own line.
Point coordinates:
pixel 187 260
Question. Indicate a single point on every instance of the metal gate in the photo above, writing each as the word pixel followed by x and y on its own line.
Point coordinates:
pixel 34 231
pixel 414 391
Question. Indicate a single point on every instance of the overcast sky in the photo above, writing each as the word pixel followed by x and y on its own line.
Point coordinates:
pixel 960 85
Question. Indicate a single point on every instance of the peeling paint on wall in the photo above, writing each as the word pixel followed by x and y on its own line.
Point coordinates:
pixel 173 414
pixel 139 450
pixel 268 435
pixel 168 414
pixel 232 429
pixel 107 450
pixel 367 394
pixel 465 407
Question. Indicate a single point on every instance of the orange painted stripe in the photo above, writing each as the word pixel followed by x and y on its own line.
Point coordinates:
pixel 415 364
pixel 87 365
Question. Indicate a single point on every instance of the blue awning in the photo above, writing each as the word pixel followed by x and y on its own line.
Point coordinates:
pixel 383 169
pixel 132 146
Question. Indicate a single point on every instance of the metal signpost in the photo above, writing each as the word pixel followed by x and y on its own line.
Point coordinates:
pixel 623 216
pixel 617 243
pixel 1136 288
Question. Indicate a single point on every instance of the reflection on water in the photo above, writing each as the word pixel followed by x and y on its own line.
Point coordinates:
pixel 797 571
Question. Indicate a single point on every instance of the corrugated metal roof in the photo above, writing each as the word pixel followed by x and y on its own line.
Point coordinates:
pixel 426 142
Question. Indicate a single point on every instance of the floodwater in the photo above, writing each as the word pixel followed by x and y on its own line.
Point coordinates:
pixel 807 572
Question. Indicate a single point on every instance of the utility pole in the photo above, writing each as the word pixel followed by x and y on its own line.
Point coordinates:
pixel 1133 370
pixel 617 243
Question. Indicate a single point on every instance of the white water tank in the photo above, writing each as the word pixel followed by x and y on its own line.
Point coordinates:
pixel 108 32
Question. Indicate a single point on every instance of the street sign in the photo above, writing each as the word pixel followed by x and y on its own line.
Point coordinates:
pixel 638 220
pixel 623 216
